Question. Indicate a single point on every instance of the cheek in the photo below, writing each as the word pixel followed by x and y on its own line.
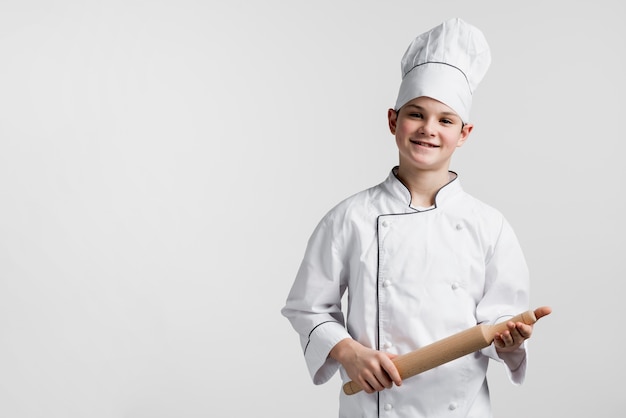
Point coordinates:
pixel 403 128
pixel 453 141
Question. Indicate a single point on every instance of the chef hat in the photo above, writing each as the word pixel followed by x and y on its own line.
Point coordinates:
pixel 446 63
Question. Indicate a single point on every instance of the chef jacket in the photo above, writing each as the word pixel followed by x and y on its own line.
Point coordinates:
pixel 413 277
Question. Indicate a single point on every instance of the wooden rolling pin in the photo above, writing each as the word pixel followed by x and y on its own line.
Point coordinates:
pixel 452 347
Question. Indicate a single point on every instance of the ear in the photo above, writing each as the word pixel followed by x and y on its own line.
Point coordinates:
pixel 467 128
pixel 392 118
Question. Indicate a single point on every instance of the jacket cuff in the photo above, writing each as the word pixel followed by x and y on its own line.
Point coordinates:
pixel 321 340
pixel 515 362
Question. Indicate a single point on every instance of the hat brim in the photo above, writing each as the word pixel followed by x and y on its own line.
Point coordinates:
pixel 439 81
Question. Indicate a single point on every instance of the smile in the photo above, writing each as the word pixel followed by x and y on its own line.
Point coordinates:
pixel 424 144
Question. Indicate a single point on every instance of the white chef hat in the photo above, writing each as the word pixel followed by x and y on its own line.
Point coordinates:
pixel 446 63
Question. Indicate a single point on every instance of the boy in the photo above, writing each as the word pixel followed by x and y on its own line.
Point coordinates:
pixel 420 258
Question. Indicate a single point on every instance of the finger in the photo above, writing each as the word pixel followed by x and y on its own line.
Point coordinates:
pixel 369 389
pixel 382 381
pixel 371 385
pixel 542 311
pixel 391 371
pixel 524 330
pixel 507 338
pixel 498 341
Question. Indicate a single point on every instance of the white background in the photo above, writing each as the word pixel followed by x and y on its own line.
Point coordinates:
pixel 162 164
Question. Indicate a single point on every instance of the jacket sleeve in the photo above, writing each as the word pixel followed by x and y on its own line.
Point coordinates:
pixel 506 295
pixel 314 302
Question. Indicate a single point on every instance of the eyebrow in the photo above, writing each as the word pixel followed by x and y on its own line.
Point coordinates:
pixel 440 113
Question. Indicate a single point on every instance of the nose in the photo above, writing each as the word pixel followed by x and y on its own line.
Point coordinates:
pixel 428 127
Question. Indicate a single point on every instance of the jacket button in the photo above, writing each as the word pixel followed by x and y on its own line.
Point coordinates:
pixel 455 286
pixel 388 407
pixel 387 345
pixel 452 406
pixel 385 224
pixel 387 283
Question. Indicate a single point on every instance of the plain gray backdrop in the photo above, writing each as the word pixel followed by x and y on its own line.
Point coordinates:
pixel 162 164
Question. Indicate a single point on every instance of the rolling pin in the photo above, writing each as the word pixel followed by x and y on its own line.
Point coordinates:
pixel 452 347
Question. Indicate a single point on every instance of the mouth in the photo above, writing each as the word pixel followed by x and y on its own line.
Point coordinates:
pixel 424 144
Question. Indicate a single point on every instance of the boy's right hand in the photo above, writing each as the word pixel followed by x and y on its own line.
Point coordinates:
pixel 373 370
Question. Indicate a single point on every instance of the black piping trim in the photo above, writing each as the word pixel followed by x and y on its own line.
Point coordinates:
pixel 456 176
pixel 309 336
pixel 378 301
pixel 437 62
pixel 377 283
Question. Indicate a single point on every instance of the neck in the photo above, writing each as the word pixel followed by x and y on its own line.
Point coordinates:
pixel 423 185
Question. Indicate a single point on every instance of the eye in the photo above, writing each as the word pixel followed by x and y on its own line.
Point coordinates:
pixel 447 121
pixel 415 115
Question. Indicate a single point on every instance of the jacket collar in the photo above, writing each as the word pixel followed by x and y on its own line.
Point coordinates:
pixel 400 192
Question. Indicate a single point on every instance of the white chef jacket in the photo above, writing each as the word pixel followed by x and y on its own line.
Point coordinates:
pixel 413 277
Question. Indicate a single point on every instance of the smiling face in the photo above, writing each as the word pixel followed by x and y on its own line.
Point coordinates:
pixel 427 134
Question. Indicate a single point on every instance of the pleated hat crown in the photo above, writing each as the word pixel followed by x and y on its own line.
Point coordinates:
pixel 445 63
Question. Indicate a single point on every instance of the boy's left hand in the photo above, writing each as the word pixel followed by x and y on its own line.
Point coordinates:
pixel 511 339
